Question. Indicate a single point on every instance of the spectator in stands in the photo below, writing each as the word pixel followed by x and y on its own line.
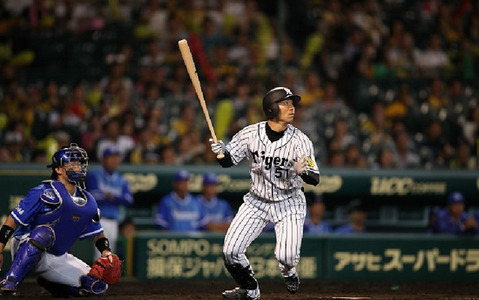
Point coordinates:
pixel 453 219
pixel 190 147
pixel 11 151
pixel 331 102
pixel 342 134
pixel 471 127
pixel 435 148
pixel 336 159
pixel 406 156
pixel 144 150
pixel 111 191
pixel 404 109
pixel 376 129
pixel 113 137
pixel 346 36
pixel 402 56
pixel 462 158
pixel 312 88
pixel 357 218
pixel 438 94
pixel 168 156
pixel 353 158
pixel 218 210
pixel 385 158
pixel 315 223
pixel 179 210
pixel 433 59
pixel 90 137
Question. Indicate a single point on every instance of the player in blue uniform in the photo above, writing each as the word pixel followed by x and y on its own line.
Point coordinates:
pixel 314 223
pixel 179 210
pixel 111 191
pixel 453 219
pixel 46 224
pixel 357 218
pixel 218 210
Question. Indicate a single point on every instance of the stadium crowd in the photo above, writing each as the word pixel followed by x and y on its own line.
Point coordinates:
pixel 384 84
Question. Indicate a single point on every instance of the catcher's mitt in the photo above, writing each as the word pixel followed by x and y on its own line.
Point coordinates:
pixel 107 268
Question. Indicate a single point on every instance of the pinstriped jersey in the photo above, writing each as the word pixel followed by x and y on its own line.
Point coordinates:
pixel 272 174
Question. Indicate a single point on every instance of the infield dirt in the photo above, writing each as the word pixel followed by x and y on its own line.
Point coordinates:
pixel 129 288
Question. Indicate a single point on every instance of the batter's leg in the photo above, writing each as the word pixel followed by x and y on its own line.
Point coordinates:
pixel 289 234
pixel 244 229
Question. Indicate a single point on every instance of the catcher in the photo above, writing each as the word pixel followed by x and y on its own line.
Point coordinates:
pixel 45 225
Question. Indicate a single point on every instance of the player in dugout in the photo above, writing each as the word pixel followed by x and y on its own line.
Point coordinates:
pixel 280 157
pixel 45 225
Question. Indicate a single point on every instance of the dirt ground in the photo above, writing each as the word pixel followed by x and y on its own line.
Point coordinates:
pixel 129 289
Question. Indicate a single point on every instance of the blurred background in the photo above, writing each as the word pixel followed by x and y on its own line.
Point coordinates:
pixel 395 74
pixel 389 98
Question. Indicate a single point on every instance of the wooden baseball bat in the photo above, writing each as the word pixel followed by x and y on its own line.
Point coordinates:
pixel 190 66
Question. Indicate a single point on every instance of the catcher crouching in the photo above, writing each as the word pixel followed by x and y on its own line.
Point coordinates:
pixel 45 225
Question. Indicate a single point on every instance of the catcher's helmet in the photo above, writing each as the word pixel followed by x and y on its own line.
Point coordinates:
pixel 271 99
pixel 69 154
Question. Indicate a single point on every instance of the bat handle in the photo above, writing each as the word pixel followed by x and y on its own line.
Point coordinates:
pixel 215 140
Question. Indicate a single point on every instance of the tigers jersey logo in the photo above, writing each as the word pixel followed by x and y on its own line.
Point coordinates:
pixel 310 161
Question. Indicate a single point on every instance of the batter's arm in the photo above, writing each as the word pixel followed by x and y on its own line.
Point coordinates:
pixel 310 178
pixel 226 161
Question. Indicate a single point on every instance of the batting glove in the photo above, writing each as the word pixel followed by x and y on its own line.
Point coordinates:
pixel 300 165
pixel 217 148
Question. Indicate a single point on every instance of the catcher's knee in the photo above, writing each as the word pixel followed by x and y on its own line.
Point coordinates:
pixel 42 237
pixel 92 286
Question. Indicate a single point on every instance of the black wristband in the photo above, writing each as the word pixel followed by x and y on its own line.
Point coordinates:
pixel 6 233
pixel 103 244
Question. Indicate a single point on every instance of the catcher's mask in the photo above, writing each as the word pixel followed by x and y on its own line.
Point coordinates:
pixel 271 99
pixel 73 153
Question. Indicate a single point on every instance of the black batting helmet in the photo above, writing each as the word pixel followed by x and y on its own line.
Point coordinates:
pixel 271 99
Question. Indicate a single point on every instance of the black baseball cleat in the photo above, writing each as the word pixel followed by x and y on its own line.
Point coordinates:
pixel 238 293
pixel 292 283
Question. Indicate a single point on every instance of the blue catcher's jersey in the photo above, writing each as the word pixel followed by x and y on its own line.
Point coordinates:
pixel 217 210
pixel 175 214
pixel 71 218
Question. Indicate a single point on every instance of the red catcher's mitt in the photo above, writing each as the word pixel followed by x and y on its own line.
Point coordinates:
pixel 107 268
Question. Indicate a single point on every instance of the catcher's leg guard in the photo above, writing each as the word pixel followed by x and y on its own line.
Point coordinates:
pixel 92 286
pixel 27 257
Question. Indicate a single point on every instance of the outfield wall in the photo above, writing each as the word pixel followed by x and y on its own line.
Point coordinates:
pixel 331 257
pixel 373 256
pixel 399 200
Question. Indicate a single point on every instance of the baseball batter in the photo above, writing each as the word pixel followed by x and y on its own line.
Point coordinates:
pixel 280 157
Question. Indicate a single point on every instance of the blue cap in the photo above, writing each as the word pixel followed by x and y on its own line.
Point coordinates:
pixel 110 150
pixel 455 197
pixel 181 175
pixel 210 178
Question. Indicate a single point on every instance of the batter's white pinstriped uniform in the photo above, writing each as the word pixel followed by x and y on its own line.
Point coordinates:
pixel 275 193
pixel 280 158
